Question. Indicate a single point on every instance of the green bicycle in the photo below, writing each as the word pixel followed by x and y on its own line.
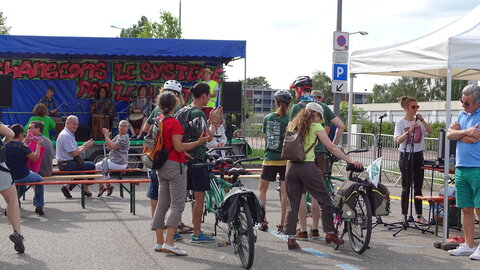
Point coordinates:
pixel 234 205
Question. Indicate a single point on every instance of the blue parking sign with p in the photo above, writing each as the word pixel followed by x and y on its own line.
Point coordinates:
pixel 340 72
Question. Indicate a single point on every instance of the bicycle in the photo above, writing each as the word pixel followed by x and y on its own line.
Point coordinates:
pixel 358 223
pixel 235 205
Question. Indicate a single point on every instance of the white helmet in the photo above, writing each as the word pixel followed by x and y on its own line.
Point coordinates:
pixel 173 85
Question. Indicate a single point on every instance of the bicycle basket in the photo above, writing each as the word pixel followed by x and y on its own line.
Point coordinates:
pixel 380 200
pixel 228 210
pixel 348 196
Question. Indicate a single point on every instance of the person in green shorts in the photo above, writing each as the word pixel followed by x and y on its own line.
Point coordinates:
pixel 274 126
pixel 465 130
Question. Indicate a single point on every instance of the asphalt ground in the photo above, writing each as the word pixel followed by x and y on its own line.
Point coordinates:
pixel 106 236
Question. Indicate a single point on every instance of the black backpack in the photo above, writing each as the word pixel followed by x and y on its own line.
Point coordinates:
pixel 192 129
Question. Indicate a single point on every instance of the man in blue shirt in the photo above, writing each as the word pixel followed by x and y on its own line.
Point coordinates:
pixel 467 168
pixel 69 154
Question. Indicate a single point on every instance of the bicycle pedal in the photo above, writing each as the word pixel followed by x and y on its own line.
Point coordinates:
pixel 223 244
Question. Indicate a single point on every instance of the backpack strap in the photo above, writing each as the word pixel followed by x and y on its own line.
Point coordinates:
pixel 311 146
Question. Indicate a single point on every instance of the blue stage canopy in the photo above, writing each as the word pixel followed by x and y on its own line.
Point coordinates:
pixel 70 48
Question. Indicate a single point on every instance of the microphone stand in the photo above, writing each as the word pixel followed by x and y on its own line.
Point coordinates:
pixel 408 161
pixel 379 154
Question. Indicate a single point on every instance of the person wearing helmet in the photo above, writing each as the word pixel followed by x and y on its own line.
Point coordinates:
pixel 274 126
pixel 303 85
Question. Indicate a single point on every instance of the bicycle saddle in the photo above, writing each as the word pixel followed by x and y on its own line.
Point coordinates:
pixel 213 156
pixel 222 161
pixel 237 171
pixel 351 167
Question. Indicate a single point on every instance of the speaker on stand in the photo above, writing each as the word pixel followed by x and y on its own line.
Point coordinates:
pixel 231 101
pixel 5 93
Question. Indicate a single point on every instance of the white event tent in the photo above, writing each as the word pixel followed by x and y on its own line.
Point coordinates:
pixel 452 52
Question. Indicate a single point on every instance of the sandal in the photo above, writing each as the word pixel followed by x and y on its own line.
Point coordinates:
pixel 101 191
pixel 110 190
pixel 87 193
pixel 263 226
pixel 279 228
pixel 422 220
pixel 184 229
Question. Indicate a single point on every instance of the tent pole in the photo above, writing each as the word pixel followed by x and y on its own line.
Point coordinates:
pixel 244 114
pixel 350 105
pixel 446 175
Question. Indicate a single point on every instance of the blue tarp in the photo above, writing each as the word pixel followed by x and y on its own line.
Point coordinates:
pixel 67 48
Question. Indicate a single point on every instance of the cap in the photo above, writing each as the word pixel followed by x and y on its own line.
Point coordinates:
pixel 207 70
pixel 317 93
pixel 313 106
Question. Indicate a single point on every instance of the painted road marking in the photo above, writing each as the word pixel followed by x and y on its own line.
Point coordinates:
pixel 346 267
pixel 398 199
pixel 398 245
pixel 315 252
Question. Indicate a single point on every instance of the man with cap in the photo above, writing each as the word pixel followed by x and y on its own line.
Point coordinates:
pixel 318 96
pixel 303 87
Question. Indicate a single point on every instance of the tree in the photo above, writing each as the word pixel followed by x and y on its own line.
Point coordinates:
pixel 357 113
pixel 4 30
pixel 168 27
pixel 420 88
pixel 322 82
pixel 257 82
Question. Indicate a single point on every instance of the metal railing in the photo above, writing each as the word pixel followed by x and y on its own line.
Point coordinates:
pixel 390 150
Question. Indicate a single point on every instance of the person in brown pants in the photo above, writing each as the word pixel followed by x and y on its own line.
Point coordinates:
pixel 304 174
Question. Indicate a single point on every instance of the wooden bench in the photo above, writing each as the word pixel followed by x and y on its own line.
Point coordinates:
pixel 118 173
pixel 435 202
pixel 82 183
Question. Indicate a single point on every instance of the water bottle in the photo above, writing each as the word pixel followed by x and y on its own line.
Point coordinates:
pixel 451 162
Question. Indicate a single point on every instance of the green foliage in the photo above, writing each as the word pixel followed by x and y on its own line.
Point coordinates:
pixel 4 29
pixel 257 82
pixel 168 27
pixel 388 128
pixel 420 88
pixel 322 82
pixel 358 114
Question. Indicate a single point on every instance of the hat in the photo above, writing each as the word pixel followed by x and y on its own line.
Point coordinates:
pixel 207 70
pixel 313 106
pixel 317 93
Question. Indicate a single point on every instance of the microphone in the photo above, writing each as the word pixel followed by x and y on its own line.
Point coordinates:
pixel 382 116
pixel 416 118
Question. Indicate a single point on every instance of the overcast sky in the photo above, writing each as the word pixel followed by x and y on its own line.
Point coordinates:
pixel 285 39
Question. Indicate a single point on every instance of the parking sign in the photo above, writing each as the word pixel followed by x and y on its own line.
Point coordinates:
pixel 340 72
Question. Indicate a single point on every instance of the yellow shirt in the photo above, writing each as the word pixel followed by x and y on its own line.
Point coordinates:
pixel 310 139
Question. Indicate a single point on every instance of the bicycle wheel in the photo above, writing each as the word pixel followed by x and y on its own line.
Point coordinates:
pixel 244 237
pixel 360 227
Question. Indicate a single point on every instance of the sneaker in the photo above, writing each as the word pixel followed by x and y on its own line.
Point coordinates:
pixel 175 250
pixel 66 192
pixel 202 238
pixel 177 237
pixel 314 234
pixel 301 236
pixel 476 254
pixel 158 247
pixel 263 226
pixel 39 211
pixel 462 250
pixel 17 239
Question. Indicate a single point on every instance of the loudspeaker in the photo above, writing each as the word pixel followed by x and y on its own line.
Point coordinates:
pixel 83 134
pixel 5 91
pixel 231 97
pixel 441 145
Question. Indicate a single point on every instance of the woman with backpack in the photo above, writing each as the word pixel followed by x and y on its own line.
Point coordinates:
pixel 304 174
pixel 274 126
pixel 172 176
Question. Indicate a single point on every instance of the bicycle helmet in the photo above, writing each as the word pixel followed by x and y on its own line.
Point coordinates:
pixel 302 81
pixel 283 96
pixel 173 85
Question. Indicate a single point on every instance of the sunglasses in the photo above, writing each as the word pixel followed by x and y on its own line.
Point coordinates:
pixel 465 103
pixel 414 107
